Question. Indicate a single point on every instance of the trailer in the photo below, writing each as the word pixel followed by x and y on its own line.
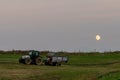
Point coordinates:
pixel 55 60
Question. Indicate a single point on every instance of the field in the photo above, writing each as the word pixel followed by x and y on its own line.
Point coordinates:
pixel 80 67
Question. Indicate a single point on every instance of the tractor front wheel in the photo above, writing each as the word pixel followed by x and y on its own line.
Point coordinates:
pixel 28 61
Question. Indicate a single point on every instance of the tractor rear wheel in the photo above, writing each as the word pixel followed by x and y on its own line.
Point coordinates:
pixel 28 61
pixel 38 61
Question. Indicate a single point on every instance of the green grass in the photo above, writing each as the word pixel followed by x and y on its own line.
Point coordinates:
pixel 9 57
pixel 79 67
pixel 94 59
pixel 110 76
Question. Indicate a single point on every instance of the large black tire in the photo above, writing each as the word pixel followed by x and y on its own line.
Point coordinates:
pixel 38 61
pixel 27 61
pixel 45 62
pixel 58 63
pixel 54 63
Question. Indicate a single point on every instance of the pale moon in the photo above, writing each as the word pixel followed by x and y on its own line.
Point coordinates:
pixel 98 37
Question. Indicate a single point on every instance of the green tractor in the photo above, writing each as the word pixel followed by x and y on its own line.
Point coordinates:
pixel 33 58
pixel 51 59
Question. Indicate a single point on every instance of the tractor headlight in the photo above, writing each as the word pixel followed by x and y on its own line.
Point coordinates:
pixel 25 56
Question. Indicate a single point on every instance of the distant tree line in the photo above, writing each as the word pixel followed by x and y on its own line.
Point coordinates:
pixel 61 52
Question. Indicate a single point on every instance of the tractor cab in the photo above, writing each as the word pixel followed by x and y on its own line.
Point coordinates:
pixel 33 54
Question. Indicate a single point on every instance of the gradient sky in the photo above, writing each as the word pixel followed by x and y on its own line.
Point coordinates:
pixel 59 25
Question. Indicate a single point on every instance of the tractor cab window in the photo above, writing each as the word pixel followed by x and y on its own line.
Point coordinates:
pixel 36 53
pixel 30 53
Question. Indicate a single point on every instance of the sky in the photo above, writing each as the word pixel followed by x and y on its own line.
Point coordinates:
pixel 59 25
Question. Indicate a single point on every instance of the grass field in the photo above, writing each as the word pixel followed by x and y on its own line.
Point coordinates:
pixel 79 67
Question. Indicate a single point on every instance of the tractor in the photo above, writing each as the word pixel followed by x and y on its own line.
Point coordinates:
pixel 51 59
pixel 32 58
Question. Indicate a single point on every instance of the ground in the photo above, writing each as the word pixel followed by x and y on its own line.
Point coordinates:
pixel 79 67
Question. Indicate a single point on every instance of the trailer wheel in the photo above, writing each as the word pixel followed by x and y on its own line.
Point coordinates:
pixel 38 61
pixel 58 63
pixel 28 61
pixel 54 64
pixel 46 63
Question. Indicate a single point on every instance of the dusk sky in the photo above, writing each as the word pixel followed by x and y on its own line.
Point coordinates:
pixel 60 25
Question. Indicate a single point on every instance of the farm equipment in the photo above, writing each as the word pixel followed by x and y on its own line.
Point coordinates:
pixel 35 58
pixel 55 60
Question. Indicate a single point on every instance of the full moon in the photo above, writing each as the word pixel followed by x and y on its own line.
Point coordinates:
pixel 98 37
